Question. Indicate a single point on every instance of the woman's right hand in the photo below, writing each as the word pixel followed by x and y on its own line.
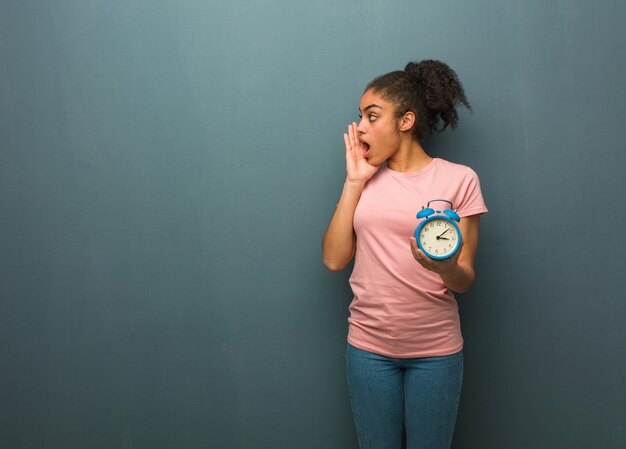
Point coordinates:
pixel 357 167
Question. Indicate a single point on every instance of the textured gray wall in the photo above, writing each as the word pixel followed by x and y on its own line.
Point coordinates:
pixel 167 169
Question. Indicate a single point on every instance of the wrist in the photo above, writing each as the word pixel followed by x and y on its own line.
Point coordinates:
pixel 354 184
pixel 449 268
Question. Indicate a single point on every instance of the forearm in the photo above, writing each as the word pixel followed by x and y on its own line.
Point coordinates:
pixel 338 244
pixel 459 277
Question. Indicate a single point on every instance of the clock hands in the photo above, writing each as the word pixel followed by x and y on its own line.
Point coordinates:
pixel 439 237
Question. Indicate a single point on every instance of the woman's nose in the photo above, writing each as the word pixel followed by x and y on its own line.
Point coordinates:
pixel 360 127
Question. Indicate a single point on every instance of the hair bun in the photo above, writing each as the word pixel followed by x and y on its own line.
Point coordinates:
pixel 414 70
pixel 430 67
pixel 441 89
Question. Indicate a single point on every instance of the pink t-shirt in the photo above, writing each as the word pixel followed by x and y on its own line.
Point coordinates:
pixel 399 308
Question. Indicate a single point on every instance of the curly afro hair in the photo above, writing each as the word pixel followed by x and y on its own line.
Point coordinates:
pixel 430 89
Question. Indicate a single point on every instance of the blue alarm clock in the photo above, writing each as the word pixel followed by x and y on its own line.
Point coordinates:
pixel 438 236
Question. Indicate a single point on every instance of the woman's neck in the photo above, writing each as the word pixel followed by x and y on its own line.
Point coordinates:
pixel 409 157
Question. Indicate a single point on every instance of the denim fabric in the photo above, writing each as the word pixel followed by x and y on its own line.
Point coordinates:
pixel 389 395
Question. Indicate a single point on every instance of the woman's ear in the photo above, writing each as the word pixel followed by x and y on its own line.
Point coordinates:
pixel 407 121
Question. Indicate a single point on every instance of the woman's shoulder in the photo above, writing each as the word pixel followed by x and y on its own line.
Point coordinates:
pixel 454 168
pixel 469 199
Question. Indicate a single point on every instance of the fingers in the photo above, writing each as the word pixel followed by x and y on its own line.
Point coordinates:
pixel 417 254
pixel 353 150
pixel 351 139
pixel 351 160
pixel 431 264
pixel 354 141
pixel 455 256
pixel 346 140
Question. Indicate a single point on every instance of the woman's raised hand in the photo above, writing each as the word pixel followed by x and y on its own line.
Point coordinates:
pixel 357 167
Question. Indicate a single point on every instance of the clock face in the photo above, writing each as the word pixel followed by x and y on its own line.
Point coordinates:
pixel 438 237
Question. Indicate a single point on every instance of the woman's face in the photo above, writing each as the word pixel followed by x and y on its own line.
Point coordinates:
pixel 378 129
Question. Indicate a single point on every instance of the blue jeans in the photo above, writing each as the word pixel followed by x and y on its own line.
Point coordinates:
pixel 392 395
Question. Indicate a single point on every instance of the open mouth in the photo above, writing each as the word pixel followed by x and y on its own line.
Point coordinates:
pixel 365 147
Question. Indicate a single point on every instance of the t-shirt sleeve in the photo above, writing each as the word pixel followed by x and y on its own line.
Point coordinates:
pixel 470 198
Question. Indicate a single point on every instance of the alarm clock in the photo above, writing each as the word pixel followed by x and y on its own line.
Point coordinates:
pixel 438 236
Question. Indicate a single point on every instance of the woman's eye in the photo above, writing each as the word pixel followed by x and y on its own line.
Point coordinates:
pixel 372 117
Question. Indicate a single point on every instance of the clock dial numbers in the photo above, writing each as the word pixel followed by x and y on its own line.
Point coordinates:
pixel 439 237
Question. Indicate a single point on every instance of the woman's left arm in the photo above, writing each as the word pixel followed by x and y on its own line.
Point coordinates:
pixel 457 272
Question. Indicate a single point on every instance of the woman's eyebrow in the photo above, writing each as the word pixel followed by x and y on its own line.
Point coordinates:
pixel 373 105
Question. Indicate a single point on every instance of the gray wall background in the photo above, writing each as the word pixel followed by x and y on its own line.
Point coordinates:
pixel 167 170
